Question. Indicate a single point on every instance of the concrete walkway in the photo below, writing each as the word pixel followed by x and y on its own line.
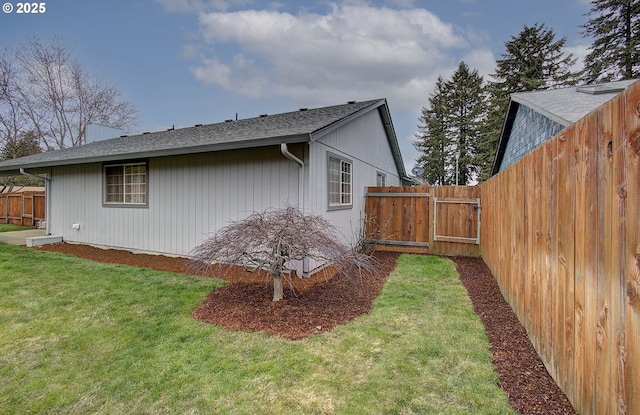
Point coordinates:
pixel 20 237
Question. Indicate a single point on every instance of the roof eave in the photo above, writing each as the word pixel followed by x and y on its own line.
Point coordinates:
pixel 383 110
pixel 509 117
pixel 393 139
pixel 239 145
pixel 554 117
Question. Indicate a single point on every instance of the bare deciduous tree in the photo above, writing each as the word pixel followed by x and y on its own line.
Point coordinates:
pixel 275 239
pixel 44 89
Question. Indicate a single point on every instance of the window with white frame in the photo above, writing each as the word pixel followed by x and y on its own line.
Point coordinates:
pixel 381 179
pixel 340 182
pixel 125 184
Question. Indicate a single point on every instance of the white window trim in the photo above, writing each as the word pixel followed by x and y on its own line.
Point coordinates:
pixel 343 163
pixel 124 203
pixel 383 177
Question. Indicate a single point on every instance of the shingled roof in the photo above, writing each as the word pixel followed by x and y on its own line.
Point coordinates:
pixel 303 125
pixel 563 106
pixel 567 105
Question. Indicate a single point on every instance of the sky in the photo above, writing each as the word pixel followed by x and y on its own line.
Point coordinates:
pixel 187 62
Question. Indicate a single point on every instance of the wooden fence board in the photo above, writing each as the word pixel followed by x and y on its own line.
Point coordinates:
pixel 615 222
pixel 527 289
pixel 603 332
pixel 632 249
pixel 547 257
pixel 565 191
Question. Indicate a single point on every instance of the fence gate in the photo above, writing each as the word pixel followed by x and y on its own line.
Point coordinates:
pixel 456 219
pixel 442 220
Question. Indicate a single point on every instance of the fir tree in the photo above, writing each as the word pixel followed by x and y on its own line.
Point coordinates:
pixel 433 142
pixel 615 52
pixel 466 115
pixel 451 127
pixel 534 60
pixel 25 145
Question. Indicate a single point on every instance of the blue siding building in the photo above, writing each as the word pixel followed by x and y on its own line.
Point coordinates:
pixel 534 117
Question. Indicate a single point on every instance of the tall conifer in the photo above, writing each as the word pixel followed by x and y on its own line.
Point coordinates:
pixel 433 142
pixel 534 60
pixel 451 127
pixel 614 54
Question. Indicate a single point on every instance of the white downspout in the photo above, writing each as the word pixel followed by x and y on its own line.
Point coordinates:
pixel 47 197
pixel 285 152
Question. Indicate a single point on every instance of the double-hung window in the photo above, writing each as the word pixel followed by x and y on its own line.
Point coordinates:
pixel 340 183
pixel 125 184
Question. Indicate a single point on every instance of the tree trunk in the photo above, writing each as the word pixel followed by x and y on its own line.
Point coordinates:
pixel 278 292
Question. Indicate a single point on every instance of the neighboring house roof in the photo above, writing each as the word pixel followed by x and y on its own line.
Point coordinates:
pixel 300 126
pixel 559 107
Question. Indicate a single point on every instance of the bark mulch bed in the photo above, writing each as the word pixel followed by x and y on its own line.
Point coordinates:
pixel 319 304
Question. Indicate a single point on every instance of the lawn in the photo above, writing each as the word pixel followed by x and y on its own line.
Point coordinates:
pixel 10 228
pixel 80 337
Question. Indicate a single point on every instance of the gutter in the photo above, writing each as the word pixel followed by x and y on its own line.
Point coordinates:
pixel 47 197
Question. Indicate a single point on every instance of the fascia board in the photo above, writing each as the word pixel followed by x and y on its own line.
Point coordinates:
pixel 241 145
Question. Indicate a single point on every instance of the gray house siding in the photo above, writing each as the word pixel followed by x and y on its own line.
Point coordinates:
pixel 199 178
pixel 190 196
pixel 363 142
pixel 530 129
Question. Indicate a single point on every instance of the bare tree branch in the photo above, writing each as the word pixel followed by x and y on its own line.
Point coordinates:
pixel 49 92
pixel 274 241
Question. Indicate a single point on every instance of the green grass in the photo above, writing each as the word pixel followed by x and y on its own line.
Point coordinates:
pixel 81 337
pixel 10 228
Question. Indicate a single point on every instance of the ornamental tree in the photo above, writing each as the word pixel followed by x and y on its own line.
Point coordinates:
pixel 274 241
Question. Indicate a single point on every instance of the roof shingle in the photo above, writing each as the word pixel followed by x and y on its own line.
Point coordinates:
pixel 296 126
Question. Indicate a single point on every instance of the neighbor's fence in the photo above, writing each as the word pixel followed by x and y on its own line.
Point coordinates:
pixel 441 220
pixel 561 234
pixel 25 208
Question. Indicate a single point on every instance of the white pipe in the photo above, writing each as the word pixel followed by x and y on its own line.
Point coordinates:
pixel 47 197
pixel 285 152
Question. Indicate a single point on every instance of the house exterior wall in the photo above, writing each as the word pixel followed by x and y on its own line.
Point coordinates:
pixel 193 196
pixel 530 129
pixel 189 197
pixel 363 141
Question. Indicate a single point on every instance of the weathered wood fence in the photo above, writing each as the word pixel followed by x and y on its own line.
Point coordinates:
pixel 438 220
pixel 561 234
pixel 24 208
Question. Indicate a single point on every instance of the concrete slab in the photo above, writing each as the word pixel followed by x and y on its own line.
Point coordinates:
pixel 43 240
pixel 20 237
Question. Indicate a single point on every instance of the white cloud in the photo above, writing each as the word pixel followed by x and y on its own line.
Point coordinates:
pixel 354 51
pixel 579 52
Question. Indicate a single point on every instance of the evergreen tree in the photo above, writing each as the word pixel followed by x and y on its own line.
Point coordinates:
pixel 25 145
pixel 466 115
pixel 615 52
pixel 451 127
pixel 433 142
pixel 534 60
